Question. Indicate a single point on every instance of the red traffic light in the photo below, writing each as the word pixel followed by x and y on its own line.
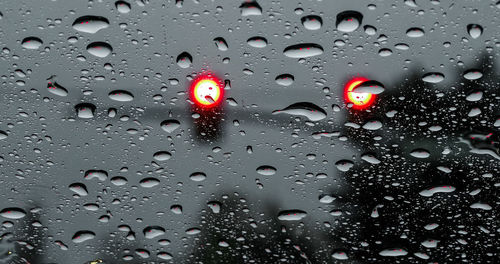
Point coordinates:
pixel 359 100
pixel 207 91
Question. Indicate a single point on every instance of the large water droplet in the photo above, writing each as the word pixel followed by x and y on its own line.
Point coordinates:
pixel 122 7
pixel 303 50
pixel 149 182
pixel 55 88
pixel 348 21
pixel 475 30
pixel 415 32
pixel 85 110
pixel 371 86
pixel 393 252
pixel 198 176
pixel 170 125
pixel 438 189
pixel 99 49
pixel 221 44
pixel 162 155
pixel 344 165
pixel 101 175
pixel 312 22
pixel 82 236
pixel 291 215
pixel 184 60
pixel 13 213
pixel 473 74
pixel 31 43
pixel 151 232
pixel 285 79
pixel 257 42
pixel 121 96
pixel 266 170
pixel 433 77
pixel 79 188
pixel 309 110
pixel 250 8
pixel 90 24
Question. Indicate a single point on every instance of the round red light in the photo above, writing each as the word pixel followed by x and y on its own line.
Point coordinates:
pixel 207 91
pixel 358 100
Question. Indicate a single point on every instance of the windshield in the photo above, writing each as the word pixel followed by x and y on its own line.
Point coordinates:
pixel 242 131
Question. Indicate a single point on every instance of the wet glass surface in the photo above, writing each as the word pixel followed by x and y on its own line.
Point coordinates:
pixel 192 131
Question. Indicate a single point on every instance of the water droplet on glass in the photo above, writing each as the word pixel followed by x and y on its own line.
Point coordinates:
pixel 437 189
pixel 184 60
pixel 340 255
pixel 285 79
pixel 257 42
pixel 474 30
pixel 266 170
pixel 348 21
pixel 55 88
pixel 344 165
pixel 433 77
pixel 162 155
pixel 85 110
pixel 312 22
pixel 79 188
pixel 12 213
pixel 393 252
pixel 221 44
pixel 101 175
pixel 303 50
pixel 122 7
pixel 250 8
pixel 473 74
pixel 415 32
pixel 82 236
pixel 372 86
pixel 309 110
pixel 31 43
pixel 149 182
pixel 170 125
pixel 121 96
pixel 90 24
pixel 420 153
pixel 198 176
pixel 99 49
pixel 291 215
pixel 151 232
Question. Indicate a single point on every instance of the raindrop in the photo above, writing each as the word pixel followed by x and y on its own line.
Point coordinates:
pixel 122 7
pixel 348 21
pixel 309 110
pixel 482 206
pixel 13 213
pixel 31 43
pixel 371 86
pixel 3 135
pixel 149 182
pixel 85 110
pixel 164 256
pixel 303 50
pixel 373 125
pixel 285 79
pixel 340 255
pixel 55 88
pixel 119 180
pixel 415 32
pixel 438 189
pixel 99 174
pixel 99 49
pixel 162 155
pixel 151 232
pixel 121 96
pixel 184 60
pixel 257 42
pixel 170 125
pixel 82 236
pixel 344 165
pixel 420 153
pixel 384 52
pixel 90 24
pixel 370 30
pixel 393 252
pixel 312 22
pixel 473 74
pixel 142 253
pixel 214 206
pixel 433 77
pixel 176 209
pixel 221 44
pixel 291 215
pixel 474 96
pixel 79 188
pixel 198 176
pixel 474 30
pixel 250 8
pixel 266 170
pixel 193 231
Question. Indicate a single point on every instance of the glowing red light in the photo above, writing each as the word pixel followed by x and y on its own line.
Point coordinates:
pixel 207 91
pixel 359 100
